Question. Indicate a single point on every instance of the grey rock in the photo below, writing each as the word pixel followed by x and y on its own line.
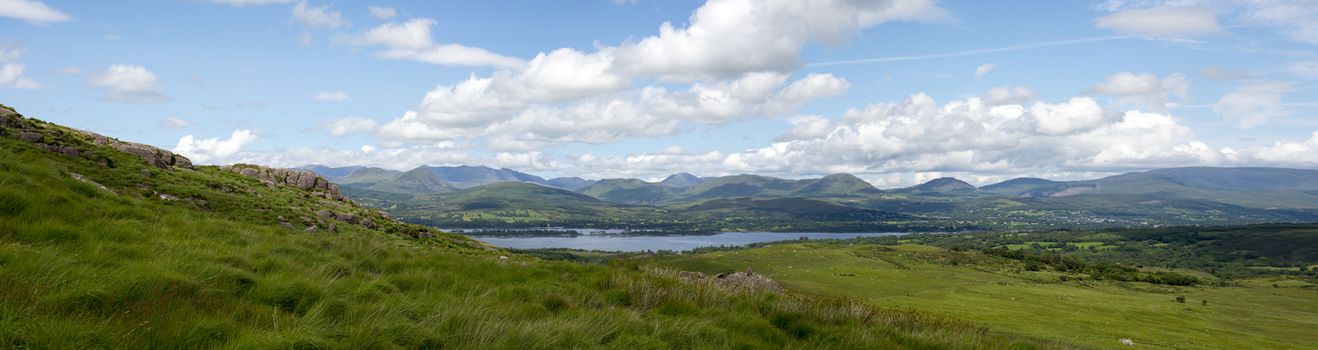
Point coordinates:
pixel 33 137
pixel 325 214
pixel 310 229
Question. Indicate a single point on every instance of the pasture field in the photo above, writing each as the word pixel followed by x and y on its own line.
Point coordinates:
pixel 998 293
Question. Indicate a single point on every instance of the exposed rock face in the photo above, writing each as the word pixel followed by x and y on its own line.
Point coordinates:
pixel 34 133
pixel 156 156
pixel 287 177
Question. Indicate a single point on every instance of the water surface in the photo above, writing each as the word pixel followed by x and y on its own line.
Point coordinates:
pixel 632 243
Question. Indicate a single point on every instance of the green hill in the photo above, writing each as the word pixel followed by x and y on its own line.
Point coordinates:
pixel 361 176
pixel 631 191
pixel 941 186
pixel 1018 186
pixel 108 244
pixel 415 181
pixel 1246 187
pixel 679 189
pixel 681 180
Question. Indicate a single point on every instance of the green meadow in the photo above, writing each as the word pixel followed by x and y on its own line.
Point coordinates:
pixel 115 253
pixel 1000 294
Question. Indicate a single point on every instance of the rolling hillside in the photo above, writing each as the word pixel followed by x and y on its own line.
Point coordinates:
pixel 112 244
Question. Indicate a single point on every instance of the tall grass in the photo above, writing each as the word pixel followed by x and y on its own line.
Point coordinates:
pixel 83 267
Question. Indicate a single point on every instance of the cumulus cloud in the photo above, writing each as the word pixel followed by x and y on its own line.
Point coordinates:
pixel 1003 95
pixel 317 16
pixel 214 150
pixel 382 12
pixel 984 69
pixel 331 96
pixel 592 122
pixel 130 83
pixel 1284 153
pixel 11 76
pixel 919 135
pixel 763 35
pixel 1253 104
pixel 350 125
pixel 35 12
pixel 755 94
pixel 1145 89
pixel 1162 22
pixel 411 40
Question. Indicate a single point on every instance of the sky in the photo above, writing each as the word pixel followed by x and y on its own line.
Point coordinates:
pixel 894 91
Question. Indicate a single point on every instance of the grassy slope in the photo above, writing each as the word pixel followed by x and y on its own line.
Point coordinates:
pixel 85 267
pixel 996 293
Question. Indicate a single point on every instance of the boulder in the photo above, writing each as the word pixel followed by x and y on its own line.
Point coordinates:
pixel 69 151
pixel 324 214
pixel 33 137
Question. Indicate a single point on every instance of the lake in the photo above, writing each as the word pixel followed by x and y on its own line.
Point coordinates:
pixel 632 243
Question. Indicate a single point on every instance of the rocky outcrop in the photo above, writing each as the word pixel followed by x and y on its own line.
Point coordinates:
pixel 155 156
pixel 51 139
pixel 305 180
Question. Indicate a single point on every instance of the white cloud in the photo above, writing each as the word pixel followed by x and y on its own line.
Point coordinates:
pixel 411 40
pixel 250 2
pixel 382 12
pixel 367 149
pixel 984 69
pixel 1295 19
pixel 130 83
pixel 762 35
pixel 1162 22
pixel 214 150
pixel 1004 95
pixel 317 16
pixel 1145 89
pixel 918 135
pixel 754 94
pixel 174 122
pixel 35 12
pixel 592 122
pixel 350 125
pixel 71 70
pixel 1284 153
pixel 11 76
pixel 332 96
pixel 1253 104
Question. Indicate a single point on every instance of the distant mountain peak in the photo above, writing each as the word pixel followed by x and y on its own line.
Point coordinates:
pixel 681 180
pixel 943 185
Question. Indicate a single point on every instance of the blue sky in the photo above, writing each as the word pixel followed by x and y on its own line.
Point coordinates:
pixel 895 91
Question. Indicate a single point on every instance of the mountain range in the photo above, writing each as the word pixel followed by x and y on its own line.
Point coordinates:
pixel 469 195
